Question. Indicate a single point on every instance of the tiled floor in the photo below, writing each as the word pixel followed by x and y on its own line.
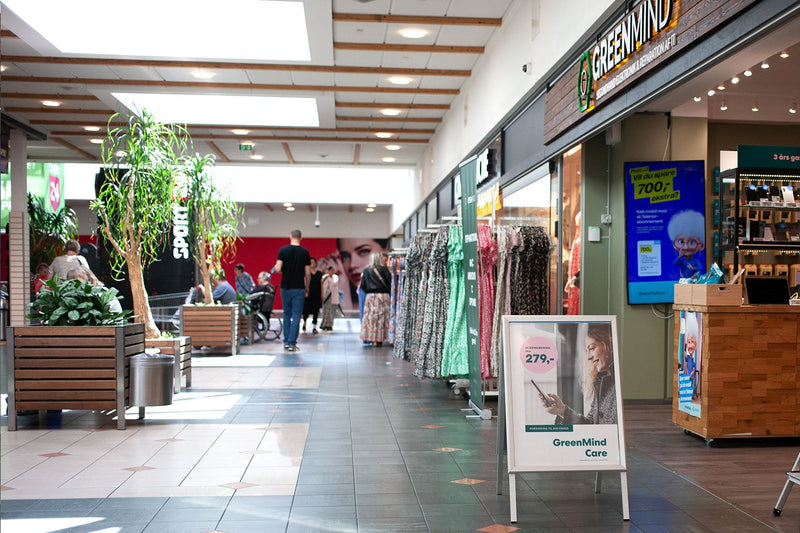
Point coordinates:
pixel 334 438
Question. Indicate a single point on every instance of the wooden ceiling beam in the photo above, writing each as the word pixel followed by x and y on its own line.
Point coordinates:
pixel 373 105
pixel 269 206
pixel 356 154
pixel 417 19
pixel 288 138
pixel 8 33
pixel 220 65
pixel 418 48
pixel 67 144
pixel 230 127
pixel 221 85
pixel 288 152
pixel 389 119
pixel 220 154
pixel 59 111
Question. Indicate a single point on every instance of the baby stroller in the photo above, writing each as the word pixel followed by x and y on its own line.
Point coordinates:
pixel 267 326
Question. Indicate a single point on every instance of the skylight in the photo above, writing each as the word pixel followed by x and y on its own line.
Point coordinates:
pixel 264 30
pixel 225 110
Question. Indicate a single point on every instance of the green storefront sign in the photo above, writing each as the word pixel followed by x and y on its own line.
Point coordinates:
pixel 753 156
pixel 45 180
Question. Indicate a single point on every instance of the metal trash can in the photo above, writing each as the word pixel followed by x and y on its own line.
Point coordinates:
pixel 152 378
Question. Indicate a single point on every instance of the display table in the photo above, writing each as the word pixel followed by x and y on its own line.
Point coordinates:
pixel 749 378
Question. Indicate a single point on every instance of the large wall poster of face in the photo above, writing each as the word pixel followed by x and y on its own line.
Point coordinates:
pixel 350 258
pixel 562 375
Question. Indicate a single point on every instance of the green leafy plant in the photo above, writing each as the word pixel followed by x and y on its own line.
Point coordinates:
pixel 49 231
pixel 246 306
pixel 134 205
pixel 213 218
pixel 76 303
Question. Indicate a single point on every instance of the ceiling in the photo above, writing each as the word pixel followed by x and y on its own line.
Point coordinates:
pixel 353 55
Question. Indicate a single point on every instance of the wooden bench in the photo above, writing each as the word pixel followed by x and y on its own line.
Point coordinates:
pixel 212 325
pixel 181 349
pixel 71 367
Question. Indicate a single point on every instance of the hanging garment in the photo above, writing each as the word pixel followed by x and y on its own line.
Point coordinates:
pixel 454 351
pixel 506 237
pixel 434 317
pixel 529 291
pixel 426 244
pixel 408 305
pixel 487 255
pixel 398 276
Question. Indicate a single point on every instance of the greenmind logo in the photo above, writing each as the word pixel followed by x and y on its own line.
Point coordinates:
pixel 584 82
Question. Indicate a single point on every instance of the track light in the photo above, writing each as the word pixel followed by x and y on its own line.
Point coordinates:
pixel 793 109
pixel 754 109
pixel 697 98
pixel 711 92
pixel 724 106
pixel 784 54
pixel 720 87
pixel 764 64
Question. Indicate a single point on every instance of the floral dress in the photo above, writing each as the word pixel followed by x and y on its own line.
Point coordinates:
pixel 487 254
pixel 429 361
pixel 454 351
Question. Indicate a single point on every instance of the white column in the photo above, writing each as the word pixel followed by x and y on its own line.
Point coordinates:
pixel 19 250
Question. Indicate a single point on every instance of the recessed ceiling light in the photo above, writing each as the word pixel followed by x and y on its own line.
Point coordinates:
pixel 255 30
pixel 748 73
pixel 383 135
pixel 388 159
pixel 3 68
pixel 51 103
pixel 784 54
pixel 400 80
pixel 257 157
pixel 96 141
pixel 287 204
pixel 413 33
pixel 697 98
pixel 392 147
pixel 370 209
pixel 720 87
pixel 390 112
pixel 711 92
pixel 764 64
pixel 218 109
pixel 372 205
pixel 92 128
pixel 202 74
pixel 240 131
pixel 735 80
pixel 793 109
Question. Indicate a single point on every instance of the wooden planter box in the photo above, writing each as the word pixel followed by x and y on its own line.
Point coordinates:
pixel 71 367
pixel 181 349
pixel 212 325
pixel 246 327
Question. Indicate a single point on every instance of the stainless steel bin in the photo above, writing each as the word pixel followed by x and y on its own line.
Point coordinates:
pixel 152 379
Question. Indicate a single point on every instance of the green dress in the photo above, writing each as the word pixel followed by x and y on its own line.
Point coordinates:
pixel 454 355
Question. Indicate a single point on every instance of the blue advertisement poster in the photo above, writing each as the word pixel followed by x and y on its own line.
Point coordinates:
pixel 690 363
pixel 665 227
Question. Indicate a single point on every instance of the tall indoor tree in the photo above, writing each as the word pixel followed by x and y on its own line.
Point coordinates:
pixel 213 218
pixel 134 205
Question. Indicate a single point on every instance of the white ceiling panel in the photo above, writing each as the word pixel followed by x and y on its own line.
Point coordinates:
pixel 405 59
pixel 441 82
pixel 356 6
pixel 358 32
pixel 464 35
pixel 433 99
pixel 358 58
pixel 135 73
pixel 383 81
pixel 16 47
pixel 322 153
pixel 452 61
pixel 313 78
pixel 185 74
pixel 75 71
pixel 433 8
pixel 478 8
pixel 282 77
pixel 355 97
pixel 424 113
pixel 356 80
pixel 393 34
pixel 354 124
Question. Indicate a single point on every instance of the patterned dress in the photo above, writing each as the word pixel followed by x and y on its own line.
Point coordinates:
pixel 406 315
pixel 398 267
pixel 487 254
pixel 454 352
pixel 414 342
pixel 429 361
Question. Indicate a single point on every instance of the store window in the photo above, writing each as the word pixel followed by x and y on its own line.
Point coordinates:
pixel 571 231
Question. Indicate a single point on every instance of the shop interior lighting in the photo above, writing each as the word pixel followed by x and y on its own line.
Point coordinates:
pixel 697 98
pixel 711 92
pixel 261 30
pixel 290 208
pixel 735 80
pixel 764 64
pixel 3 68
pixel 383 135
pixel 96 141
pixel 388 159
pixel 202 74
pixel 389 112
pixel 748 73
pixel 51 103
pixel 754 109
pixel 256 157
pixel 287 204
pixel 721 87
pixel 392 147
pixel 793 109
pixel 286 111
pixel 413 33
pixel 784 54
pixel 91 128
pixel 723 106
pixel 239 131
pixel 400 80
pixel 370 209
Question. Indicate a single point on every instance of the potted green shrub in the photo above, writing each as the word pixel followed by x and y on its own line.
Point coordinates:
pixel 49 231
pixel 78 358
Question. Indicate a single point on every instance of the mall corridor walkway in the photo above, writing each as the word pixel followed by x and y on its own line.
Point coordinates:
pixel 333 438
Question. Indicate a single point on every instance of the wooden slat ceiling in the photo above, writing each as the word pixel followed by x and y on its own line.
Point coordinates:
pixel 366 48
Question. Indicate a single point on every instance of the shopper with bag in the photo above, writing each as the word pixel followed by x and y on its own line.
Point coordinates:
pixel 330 299
pixel 376 281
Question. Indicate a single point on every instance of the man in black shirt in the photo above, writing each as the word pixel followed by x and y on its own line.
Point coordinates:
pixel 293 262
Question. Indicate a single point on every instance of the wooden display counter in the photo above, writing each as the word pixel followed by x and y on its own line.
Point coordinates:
pixel 749 372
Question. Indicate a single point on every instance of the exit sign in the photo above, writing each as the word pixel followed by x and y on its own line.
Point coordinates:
pixel 245 147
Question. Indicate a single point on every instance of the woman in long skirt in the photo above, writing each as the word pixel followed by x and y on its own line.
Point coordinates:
pixel 376 280
pixel 330 299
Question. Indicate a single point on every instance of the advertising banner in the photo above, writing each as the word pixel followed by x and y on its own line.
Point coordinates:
pixel 689 365
pixel 750 156
pixel 562 393
pixel 665 227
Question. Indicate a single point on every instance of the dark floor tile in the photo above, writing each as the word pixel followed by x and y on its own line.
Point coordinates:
pixel 187 514
pixel 198 502
pixel 389 511
pixel 391 525
pixel 252 526
pixel 324 488
pixel 406 498
pixel 254 513
pixel 325 511
pixel 180 527
pixel 384 488
pixel 326 479
pixel 116 527
pixel 324 500
pixel 322 525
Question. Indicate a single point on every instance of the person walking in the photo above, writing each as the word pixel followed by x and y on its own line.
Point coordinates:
pixel 294 263
pixel 244 281
pixel 314 299
pixel 330 298
pixel 376 281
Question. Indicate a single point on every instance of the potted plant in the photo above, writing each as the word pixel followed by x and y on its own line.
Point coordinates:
pixel 214 222
pixel 79 358
pixel 49 231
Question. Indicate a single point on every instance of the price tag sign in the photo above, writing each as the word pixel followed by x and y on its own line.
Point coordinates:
pixel 539 355
pixel 654 184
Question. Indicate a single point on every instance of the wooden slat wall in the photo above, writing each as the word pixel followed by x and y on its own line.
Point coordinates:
pixel 212 325
pixel 697 20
